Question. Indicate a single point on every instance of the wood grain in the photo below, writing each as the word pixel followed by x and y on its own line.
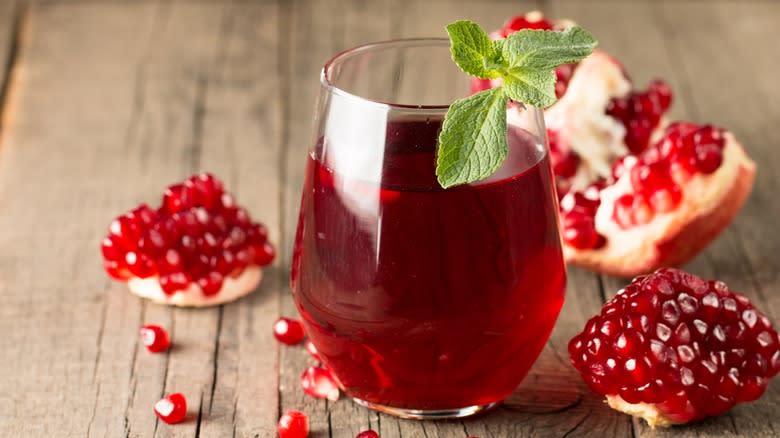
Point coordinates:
pixel 10 21
pixel 155 92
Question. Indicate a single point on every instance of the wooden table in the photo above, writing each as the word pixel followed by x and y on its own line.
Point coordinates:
pixel 105 103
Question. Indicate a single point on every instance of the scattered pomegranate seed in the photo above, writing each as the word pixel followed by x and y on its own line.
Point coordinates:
pixel 288 331
pixel 687 347
pixel 155 338
pixel 198 235
pixel 172 409
pixel 318 382
pixel 313 351
pixel 293 424
pixel 367 434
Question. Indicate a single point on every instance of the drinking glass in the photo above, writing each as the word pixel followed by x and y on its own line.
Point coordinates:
pixel 423 302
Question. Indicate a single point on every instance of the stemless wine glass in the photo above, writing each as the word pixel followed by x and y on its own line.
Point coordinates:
pixel 423 302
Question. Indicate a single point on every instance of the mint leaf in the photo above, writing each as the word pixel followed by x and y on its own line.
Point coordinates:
pixel 472 49
pixel 544 50
pixel 533 87
pixel 472 142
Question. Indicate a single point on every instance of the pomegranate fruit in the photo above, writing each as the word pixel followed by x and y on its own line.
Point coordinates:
pixel 172 408
pixel 367 434
pixel 637 193
pixel 672 348
pixel 198 248
pixel 155 338
pixel 293 424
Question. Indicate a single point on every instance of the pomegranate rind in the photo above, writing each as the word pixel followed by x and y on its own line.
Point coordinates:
pixel 646 411
pixel 232 289
pixel 710 203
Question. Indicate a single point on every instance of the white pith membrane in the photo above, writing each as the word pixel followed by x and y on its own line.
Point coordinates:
pixel 232 289
pixel 636 249
pixel 648 412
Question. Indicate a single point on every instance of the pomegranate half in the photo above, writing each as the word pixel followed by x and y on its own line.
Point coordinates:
pixel 637 192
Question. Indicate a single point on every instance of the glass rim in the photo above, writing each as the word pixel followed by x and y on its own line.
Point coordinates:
pixel 327 83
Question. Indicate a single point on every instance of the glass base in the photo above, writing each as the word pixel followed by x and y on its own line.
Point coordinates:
pixel 417 414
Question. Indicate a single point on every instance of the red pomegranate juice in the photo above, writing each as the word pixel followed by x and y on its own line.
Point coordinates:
pixel 418 297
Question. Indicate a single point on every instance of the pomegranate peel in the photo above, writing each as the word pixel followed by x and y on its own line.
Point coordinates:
pixel 709 203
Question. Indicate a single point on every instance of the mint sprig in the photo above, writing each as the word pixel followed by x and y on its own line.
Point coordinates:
pixel 472 142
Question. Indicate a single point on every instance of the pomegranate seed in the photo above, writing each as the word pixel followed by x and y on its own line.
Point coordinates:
pixel 708 157
pixel 211 283
pixel 110 248
pixel 264 254
pixel 367 434
pixel 666 199
pixel 622 213
pixel 318 382
pixel 565 165
pixel 116 271
pixel 174 282
pixel 521 22
pixel 155 338
pixel 288 331
pixel 293 424
pixel 679 344
pixel 582 234
pixel 662 92
pixel 175 199
pixel 172 409
pixel 313 351
pixel 139 264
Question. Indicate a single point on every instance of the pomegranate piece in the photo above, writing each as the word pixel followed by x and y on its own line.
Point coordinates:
pixel 197 242
pixel 673 348
pixel 367 434
pixel 155 338
pixel 172 408
pixel 293 424
pixel 319 382
pixel 288 331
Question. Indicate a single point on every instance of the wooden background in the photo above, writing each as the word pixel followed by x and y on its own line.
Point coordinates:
pixel 105 103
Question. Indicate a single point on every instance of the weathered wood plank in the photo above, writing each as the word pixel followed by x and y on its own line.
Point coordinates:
pixel 113 102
